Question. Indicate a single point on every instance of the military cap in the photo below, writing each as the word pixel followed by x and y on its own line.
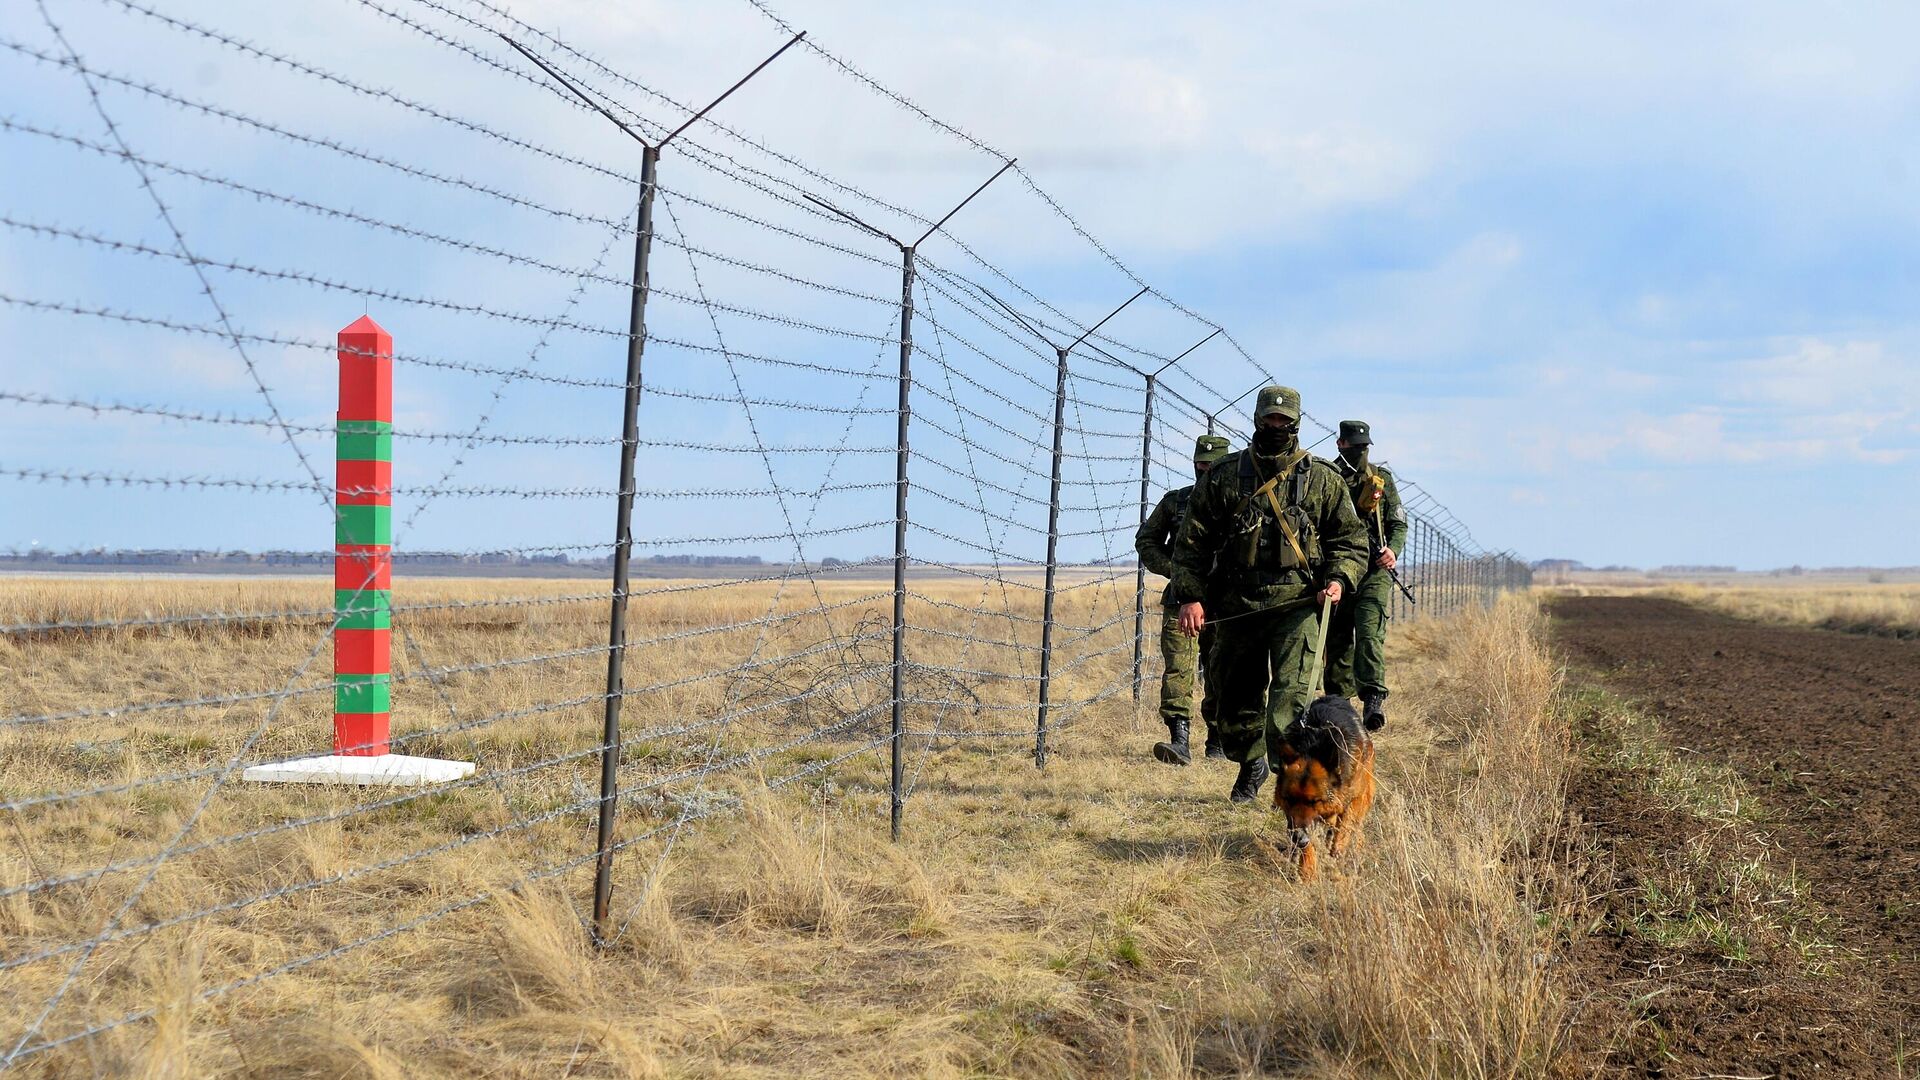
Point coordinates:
pixel 1208 449
pixel 1355 433
pixel 1284 400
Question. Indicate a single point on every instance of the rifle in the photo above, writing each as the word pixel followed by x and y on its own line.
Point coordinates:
pixel 1380 529
pixel 1404 591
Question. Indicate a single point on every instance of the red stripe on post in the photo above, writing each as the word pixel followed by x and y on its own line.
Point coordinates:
pixel 362 652
pixel 366 372
pixel 361 734
pixel 354 564
pixel 364 483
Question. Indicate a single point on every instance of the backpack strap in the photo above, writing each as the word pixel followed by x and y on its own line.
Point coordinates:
pixel 1286 530
pixel 1295 472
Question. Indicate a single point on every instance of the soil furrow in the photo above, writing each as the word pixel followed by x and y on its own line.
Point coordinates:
pixel 1824 728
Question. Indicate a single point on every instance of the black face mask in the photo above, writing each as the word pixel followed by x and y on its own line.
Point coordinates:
pixel 1355 456
pixel 1272 441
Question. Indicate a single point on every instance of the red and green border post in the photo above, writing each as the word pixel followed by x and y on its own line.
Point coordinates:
pixel 363 583
pixel 363 543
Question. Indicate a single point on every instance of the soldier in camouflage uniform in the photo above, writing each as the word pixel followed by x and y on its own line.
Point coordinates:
pixel 1357 640
pixel 1180 654
pixel 1270 535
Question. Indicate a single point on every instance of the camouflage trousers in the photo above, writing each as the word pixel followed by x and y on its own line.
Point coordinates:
pixel 1357 640
pixel 1263 669
pixel 1180 656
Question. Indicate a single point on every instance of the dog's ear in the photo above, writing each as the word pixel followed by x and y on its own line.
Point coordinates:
pixel 1338 733
pixel 1327 753
pixel 1341 744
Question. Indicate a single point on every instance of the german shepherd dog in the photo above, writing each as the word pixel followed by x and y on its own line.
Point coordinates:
pixel 1325 775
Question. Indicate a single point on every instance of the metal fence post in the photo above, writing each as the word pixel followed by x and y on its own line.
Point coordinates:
pixel 622 553
pixel 1140 569
pixel 1414 567
pixel 1053 508
pixel 1420 565
pixel 896 785
pixel 629 443
pixel 897 763
pixel 1053 560
pixel 1456 573
pixel 1453 575
pixel 1432 549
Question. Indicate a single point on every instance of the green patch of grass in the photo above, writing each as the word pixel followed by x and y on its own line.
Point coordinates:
pixel 166 745
pixel 1721 886
pixel 1628 741
pixel 1676 920
pixel 1125 949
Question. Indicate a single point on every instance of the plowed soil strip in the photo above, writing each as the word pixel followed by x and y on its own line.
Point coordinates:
pixel 1825 727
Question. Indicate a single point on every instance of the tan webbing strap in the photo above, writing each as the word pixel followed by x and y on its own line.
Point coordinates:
pixel 1286 530
pixel 1320 650
pixel 1279 512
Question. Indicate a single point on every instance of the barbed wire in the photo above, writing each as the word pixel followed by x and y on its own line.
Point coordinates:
pixel 616 228
pixel 254 338
pixel 768 321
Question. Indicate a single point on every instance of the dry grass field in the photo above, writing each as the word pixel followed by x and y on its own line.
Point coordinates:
pixel 1889 610
pixel 1854 604
pixel 1107 916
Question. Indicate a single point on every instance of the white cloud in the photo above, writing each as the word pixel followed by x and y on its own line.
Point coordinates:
pixel 1222 146
pixel 1817 374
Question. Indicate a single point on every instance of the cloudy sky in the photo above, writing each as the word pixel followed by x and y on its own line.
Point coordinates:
pixel 1625 283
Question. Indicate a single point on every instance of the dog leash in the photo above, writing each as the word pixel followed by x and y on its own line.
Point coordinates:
pixel 1320 651
pixel 1284 605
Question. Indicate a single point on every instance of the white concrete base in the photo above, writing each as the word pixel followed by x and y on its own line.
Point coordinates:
pixel 396 770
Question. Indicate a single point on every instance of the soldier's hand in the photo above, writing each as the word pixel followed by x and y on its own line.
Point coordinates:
pixel 1192 618
pixel 1385 559
pixel 1330 593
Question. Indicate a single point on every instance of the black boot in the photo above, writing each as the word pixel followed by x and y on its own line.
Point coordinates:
pixel 1247 785
pixel 1174 751
pixel 1374 711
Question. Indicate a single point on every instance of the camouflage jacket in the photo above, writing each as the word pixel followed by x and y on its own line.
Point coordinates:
pixel 1233 554
pixel 1154 539
pixel 1387 524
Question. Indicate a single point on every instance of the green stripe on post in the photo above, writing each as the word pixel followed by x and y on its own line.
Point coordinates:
pixel 363 440
pixel 362 694
pixel 363 609
pixel 370 526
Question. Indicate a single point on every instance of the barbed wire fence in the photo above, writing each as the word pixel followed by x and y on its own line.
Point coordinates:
pixel 805 367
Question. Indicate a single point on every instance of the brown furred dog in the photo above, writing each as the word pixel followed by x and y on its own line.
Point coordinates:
pixel 1325 766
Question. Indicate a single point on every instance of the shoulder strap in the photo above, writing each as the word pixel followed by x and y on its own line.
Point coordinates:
pixel 1295 472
